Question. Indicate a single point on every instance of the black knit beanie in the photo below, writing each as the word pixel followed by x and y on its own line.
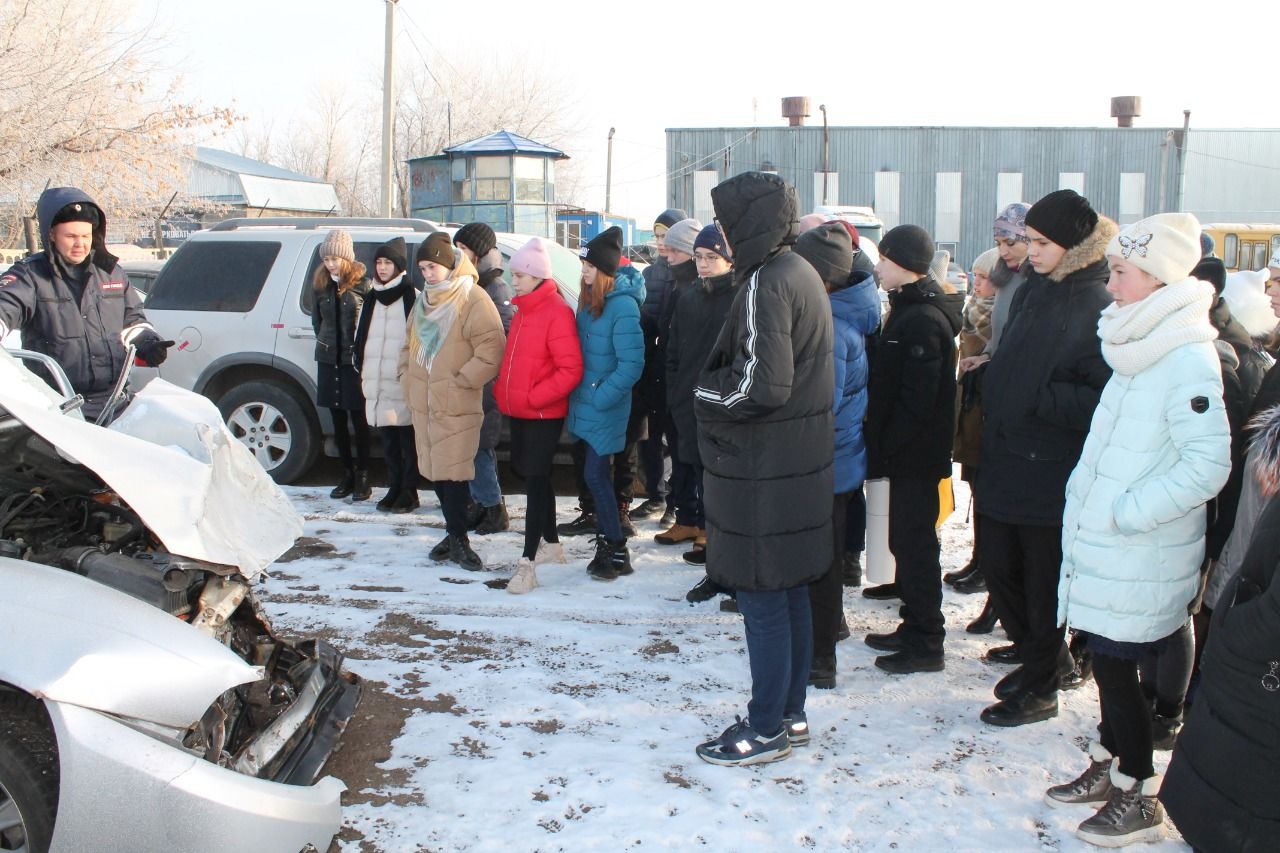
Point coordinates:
pixel 477 237
pixel 829 250
pixel 1213 271
pixel 1064 216
pixel 604 252
pixel 670 217
pixel 396 251
pixel 437 248
pixel 910 247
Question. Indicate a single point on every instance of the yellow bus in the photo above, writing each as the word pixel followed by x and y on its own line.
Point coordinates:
pixel 1244 246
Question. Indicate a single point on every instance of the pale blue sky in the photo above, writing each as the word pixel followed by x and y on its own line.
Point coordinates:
pixel 642 68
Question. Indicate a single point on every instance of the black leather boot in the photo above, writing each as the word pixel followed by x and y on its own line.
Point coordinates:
pixel 460 552
pixel 822 672
pixel 360 490
pixel 495 519
pixel 951 578
pixel 985 623
pixel 345 485
pixel 620 558
pixel 601 568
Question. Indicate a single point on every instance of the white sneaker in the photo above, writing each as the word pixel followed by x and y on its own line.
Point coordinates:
pixel 525 579
pixel 549 552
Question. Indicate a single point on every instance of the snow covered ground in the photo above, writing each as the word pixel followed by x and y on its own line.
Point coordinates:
pixel 566 719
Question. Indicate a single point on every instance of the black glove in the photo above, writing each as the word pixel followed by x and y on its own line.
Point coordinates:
pixel 153 351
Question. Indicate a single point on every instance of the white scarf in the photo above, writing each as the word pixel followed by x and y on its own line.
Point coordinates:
pixel 1137 335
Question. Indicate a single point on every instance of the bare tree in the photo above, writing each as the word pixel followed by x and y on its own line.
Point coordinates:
pixel 336 134
pixel 473 97
pixel 77 107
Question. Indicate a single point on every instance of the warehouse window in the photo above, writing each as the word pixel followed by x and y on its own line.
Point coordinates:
pixel 1071 181
pixel 1008 189
pixel 703 181
pixel 832 187
pixel 887 199
pixel 1133 190
pixel 946 214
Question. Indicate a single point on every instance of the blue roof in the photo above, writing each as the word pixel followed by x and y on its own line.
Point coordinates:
pixel 505 142
pixel 229 162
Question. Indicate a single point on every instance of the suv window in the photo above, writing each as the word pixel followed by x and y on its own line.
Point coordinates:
pixel 218 275
pixel 364 254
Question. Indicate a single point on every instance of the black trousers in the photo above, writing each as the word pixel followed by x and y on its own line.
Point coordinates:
pixel 540 514
pixel 855 537
pixel 453 496
pixel 401 456
pixel 624 475
pixel 342 437
pixel 1125 731
pixel 826 594
pixel 1021 563
pixel 651 456
pixel 913 539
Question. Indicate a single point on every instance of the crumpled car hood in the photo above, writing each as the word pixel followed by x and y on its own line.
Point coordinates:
pixel 171 459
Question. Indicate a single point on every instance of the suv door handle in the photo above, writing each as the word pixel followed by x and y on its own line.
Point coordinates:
pixel 302 332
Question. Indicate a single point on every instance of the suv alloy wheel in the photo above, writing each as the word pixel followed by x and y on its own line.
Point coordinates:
pixel 268 419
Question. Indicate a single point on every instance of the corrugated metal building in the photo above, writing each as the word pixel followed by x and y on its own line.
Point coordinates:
pixel 253 188
pixel 953 180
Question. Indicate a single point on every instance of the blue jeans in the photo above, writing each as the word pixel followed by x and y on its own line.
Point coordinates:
pixel 484 488
pixel 780 649
pixel 597 470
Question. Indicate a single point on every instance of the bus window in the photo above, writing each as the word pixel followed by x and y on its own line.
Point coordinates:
pixel 1259 256
pixel 1229 245
pixel 1275 244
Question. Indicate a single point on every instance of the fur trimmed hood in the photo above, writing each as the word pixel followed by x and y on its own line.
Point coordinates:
pixel 1265 427
pixel 1092 250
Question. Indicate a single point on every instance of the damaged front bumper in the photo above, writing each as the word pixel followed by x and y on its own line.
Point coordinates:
pixel 108 768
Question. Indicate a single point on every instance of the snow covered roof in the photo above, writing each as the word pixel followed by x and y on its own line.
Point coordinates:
pixel 232 179
pixel 505 142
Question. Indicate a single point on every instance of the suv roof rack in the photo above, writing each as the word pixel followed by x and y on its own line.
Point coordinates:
pixel 309 223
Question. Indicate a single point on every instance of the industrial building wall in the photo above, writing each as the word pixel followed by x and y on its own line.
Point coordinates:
pixel 1233 175
pixel 951 180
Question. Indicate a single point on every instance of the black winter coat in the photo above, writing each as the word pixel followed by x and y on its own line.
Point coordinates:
pixel 1040 388
pixel 490 269
pixel 655 321
pixel 911 399
pixel 698 319
pixel 763 401
pixel 84 334
pixel 333 318
pixel 1222 782
pixel 1242 372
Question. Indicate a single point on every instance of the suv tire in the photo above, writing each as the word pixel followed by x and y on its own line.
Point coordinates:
pixel 268 418
pixel 28 775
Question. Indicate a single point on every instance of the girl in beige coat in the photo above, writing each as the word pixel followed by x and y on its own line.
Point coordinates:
pixel 453 346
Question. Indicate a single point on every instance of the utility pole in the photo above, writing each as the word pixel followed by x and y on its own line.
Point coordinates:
pixel 826 152
pixel 388 105
pixel 608 176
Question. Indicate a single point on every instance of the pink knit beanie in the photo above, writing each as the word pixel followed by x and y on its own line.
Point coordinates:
pixel 532 259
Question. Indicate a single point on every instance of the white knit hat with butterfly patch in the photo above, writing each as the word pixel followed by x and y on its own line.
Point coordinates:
pixel 1166 246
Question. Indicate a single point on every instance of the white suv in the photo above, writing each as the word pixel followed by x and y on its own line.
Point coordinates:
pixel 237 300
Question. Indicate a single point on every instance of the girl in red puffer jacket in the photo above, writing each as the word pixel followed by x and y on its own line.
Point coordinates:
pixel 541 366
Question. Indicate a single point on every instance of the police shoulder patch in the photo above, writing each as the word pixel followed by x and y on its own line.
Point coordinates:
pixel 1199 405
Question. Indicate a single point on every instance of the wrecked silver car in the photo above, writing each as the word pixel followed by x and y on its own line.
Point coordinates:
pixel 145 702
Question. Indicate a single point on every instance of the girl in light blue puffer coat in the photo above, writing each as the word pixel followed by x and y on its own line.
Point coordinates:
pixel 1133 531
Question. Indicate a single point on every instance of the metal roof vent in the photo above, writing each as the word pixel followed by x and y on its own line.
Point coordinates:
pixel 795 110
pixel 1125 109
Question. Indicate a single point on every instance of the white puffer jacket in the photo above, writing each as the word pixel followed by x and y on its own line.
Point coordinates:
pixel 385 404
pixel 1159 447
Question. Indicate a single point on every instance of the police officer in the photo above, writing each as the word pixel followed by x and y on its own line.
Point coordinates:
pixel 73 302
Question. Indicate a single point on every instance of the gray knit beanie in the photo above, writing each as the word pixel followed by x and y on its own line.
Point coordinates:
pixel 682 235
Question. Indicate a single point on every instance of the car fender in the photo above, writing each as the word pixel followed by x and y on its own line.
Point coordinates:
pixel 68 639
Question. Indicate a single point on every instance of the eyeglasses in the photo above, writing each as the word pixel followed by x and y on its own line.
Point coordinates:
pixel 706 257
